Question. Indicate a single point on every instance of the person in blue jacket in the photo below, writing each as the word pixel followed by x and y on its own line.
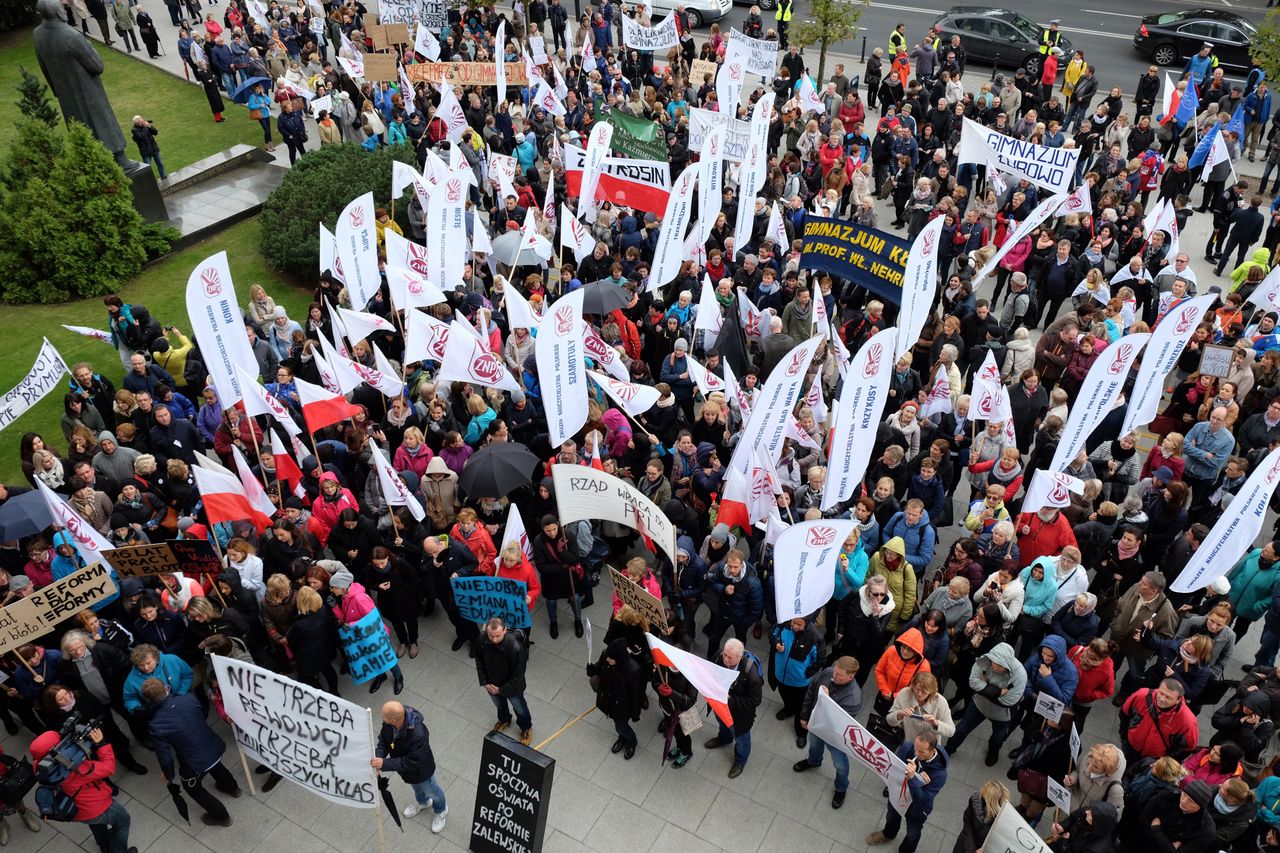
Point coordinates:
pixel 918 535
pixel 691 580
pixel 150 662
pixel 926 774
pixel 1201 65
pixel 675 372
pixel 927 486
pixel 260 102
pixel 1051 672
pixel 1256 111
pixel 187 748
pixel 736 587
pixel 67 560
pixel 796 655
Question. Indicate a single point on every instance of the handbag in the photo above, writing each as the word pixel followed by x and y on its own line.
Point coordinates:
pixel 1034 784
pixel 257 115
pixel 890 736
pixel 690 720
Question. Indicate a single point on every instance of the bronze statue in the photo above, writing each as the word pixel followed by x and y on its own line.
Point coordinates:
pixel 74 70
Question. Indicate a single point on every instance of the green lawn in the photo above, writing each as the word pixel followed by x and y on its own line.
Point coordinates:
pixel 161 287
pixel 179 109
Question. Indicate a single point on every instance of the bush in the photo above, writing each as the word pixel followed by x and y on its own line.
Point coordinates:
pixel 316 190
pixel 68 230
pixel 15 14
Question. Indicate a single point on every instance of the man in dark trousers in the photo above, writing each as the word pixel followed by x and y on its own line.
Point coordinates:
pixel 744 699
pixel 404 747
pixel 837 682
pixel 501 659
pixel 926 774
pixel 444 558
pixel 179 732
pixel 1245 224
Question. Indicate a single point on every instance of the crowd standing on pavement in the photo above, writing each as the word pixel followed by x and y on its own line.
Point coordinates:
pixel 953 610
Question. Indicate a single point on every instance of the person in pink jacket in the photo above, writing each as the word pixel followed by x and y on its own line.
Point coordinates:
pixel 413 453
pixel 638 572
pixel 332 500
pixel 350 604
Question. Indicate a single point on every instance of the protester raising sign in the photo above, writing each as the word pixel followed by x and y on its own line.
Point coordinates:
pixel 39 613
pixel 583 492
pixel 158 558
pixel 639 599
pixel 873 259
pixel 661 36
pixel 1011 834
pixel 1051 168
pixel 806 579
pixel 43 377
pixel 834 726
pixel 366 647
pixel 482 598
pixel 312 738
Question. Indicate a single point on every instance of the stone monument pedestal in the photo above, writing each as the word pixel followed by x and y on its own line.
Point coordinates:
pixel 147 199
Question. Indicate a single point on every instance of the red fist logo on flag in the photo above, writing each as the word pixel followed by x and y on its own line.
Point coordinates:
pixel 874 353
pixel 212 282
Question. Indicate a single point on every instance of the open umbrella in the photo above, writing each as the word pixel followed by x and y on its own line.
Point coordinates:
pixel 601 297
pixel 504 248
pixel 242 92
pixel 497 469
pixel 384 785
pixel 24 515
pixel 181 804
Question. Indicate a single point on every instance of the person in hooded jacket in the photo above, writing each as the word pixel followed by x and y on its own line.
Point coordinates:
pixel 998 682
pixel 932 625
pixel 619 693
pixel 350 603
pixel 675 696
pixel 1234 810
pixel 795 655
pixel 1088 829
pixel 897 666
pixel 333 499
pixel 890 563
pixel 1246 722
pixel 1050 671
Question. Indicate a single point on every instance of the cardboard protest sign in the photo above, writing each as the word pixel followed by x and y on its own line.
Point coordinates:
pixel 700 69
pixel 190 555
pixel 1011 834
pixel 1215 360
pixel 312 738
pixel 512 796
pixel 377 34
pixel 398 34
pixel 367 647
pixel 40 612
pixel 639 599
pixel 1058 795
pixel 467 73
pixel 381 66
pixel 481 598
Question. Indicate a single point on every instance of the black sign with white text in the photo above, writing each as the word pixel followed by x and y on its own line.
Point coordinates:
pixel 512 797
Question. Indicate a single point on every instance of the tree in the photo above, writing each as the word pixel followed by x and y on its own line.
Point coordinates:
pixel 316 190
pixel 1266 45
pixel 829 22
pixel 34 103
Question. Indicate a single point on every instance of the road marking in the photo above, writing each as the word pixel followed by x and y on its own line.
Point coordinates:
pixel 906 8
pixel 1098 33
pixel 1114 14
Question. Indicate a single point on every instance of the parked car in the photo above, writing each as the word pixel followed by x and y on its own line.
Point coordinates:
pixel 700 12
pixel 1170 38
pixel 999 37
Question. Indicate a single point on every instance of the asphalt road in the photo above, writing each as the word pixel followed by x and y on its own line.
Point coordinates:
pixel 1105 35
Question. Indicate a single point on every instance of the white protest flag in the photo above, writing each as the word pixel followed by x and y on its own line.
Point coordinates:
pixel 218 326
pixel 832 725
pixel 798 436
pixel 712 681
pixel 499 55
pixel 755 323
pixel 394 490
pixel 468 359
pixel 668 256
pixel 44 376
pixel 514 532
pixel 89 542
pixel 450 111
pixel 813 400
pixel 586 54
pixel 1079 202
pixel 776 230
pixel 329 260
pixel 1098 392
pixel 561 86
pixel 410 290
pixel 730 79
pixel 710 182
pixel 263 707
pixel 361 324
pixel 480 242
pixel 257 401
pixel 531 240
pixel 328 376
pixel 939 399
pixel 1011 834
pixel 382 377
pixel 995 179
pixel 632 398
pixel 694 248
pixel 736 397
pixel 89 332
pixel 548 205
pixel 545 97
pixel 752 174
pixel 585 492
pixel 706 381
pixel 425 338
pixel 1050 168
pixel 574 235
pixel 919 283
pixel 990 401
pixel 748 496
pixel 402 177
pixel 519 313
pixel 1163 350
pixel 392 378
pixel 1042 212
pixel 1267 294
pixel 358 250
pixel 252 488
pixel 1233 534
pixel 1051 489
pixel 597 149
pixel 856 415
pixel 344 375
pixel 808 96
pixel 661 36
pixel 406 91
pixel 603 354
pixel 806 580
pixel 447 232
pixel 1217 154
pixel 1158 219
pixel 708 312
pixel 559 353
pixel 767 425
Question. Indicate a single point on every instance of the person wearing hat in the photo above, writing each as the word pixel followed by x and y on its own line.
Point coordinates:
pixel 675 372
pixel 1180 820
pixel 1201 65
pixel 350 604
pixel 1050 37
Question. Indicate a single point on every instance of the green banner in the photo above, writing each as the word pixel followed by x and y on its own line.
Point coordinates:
pixel 635 137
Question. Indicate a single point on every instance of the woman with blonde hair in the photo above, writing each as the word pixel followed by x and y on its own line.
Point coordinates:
pixel 919 707
pixel 1098 778
pixel 979 814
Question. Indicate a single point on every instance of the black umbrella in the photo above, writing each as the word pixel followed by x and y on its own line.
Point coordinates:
pixel 181 804
pixel 24 515
pixel 385 787
pixel 497 469
pixel 601 297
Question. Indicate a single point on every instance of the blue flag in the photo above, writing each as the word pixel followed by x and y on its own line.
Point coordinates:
pixel 1202 149
pixel 1237 121
pixel 1187 105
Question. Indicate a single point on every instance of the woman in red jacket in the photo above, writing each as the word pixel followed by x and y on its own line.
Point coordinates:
pixel 91 789
pixel 476 538
pixel 1043 533
pixel 516 566
pixel 332 500
pixel 1097 677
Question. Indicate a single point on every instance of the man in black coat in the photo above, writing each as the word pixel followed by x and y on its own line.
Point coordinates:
pixel 1144 96
pixel 404 747
pixel 501 659
pixel 745 695
pixel 174 438
pixel 1246 227
pixel 444 558
pixel 180 735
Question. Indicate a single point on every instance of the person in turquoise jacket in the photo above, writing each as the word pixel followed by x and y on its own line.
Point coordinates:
pixel 851 571
pixel 396 133
pixel 1268 793
pixel 1041 590
pixel 1251 583
pixel 150 662
pixel 258 100
pixel 796 647
pixel 67 560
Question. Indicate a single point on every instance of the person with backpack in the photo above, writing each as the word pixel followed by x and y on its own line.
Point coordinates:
pixel 85 794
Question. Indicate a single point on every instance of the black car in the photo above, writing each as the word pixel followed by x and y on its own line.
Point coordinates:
pixel 999 37
pixel 1171 38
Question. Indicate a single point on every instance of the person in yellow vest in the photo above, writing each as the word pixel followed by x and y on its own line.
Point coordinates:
pixel 1050 37
pixel 783 17
pixel 898 40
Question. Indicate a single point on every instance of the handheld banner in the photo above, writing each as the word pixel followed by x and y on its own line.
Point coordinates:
pixel 481 598
pixel 367 647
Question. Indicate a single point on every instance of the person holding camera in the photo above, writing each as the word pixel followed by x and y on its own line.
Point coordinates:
pixel 91 789
pixel 144 135
pixel 179 733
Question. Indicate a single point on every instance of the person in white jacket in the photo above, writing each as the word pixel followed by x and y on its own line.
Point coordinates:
pixel 243 559
pixel 1003 589
pixel 1071 577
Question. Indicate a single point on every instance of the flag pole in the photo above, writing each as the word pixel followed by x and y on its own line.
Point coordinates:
pixel 257 451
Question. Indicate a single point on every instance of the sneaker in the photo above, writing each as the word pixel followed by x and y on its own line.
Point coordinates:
pixel 526 737
pixel 413 808
pixel 437 822
pixel 680 760
pixel 501 726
